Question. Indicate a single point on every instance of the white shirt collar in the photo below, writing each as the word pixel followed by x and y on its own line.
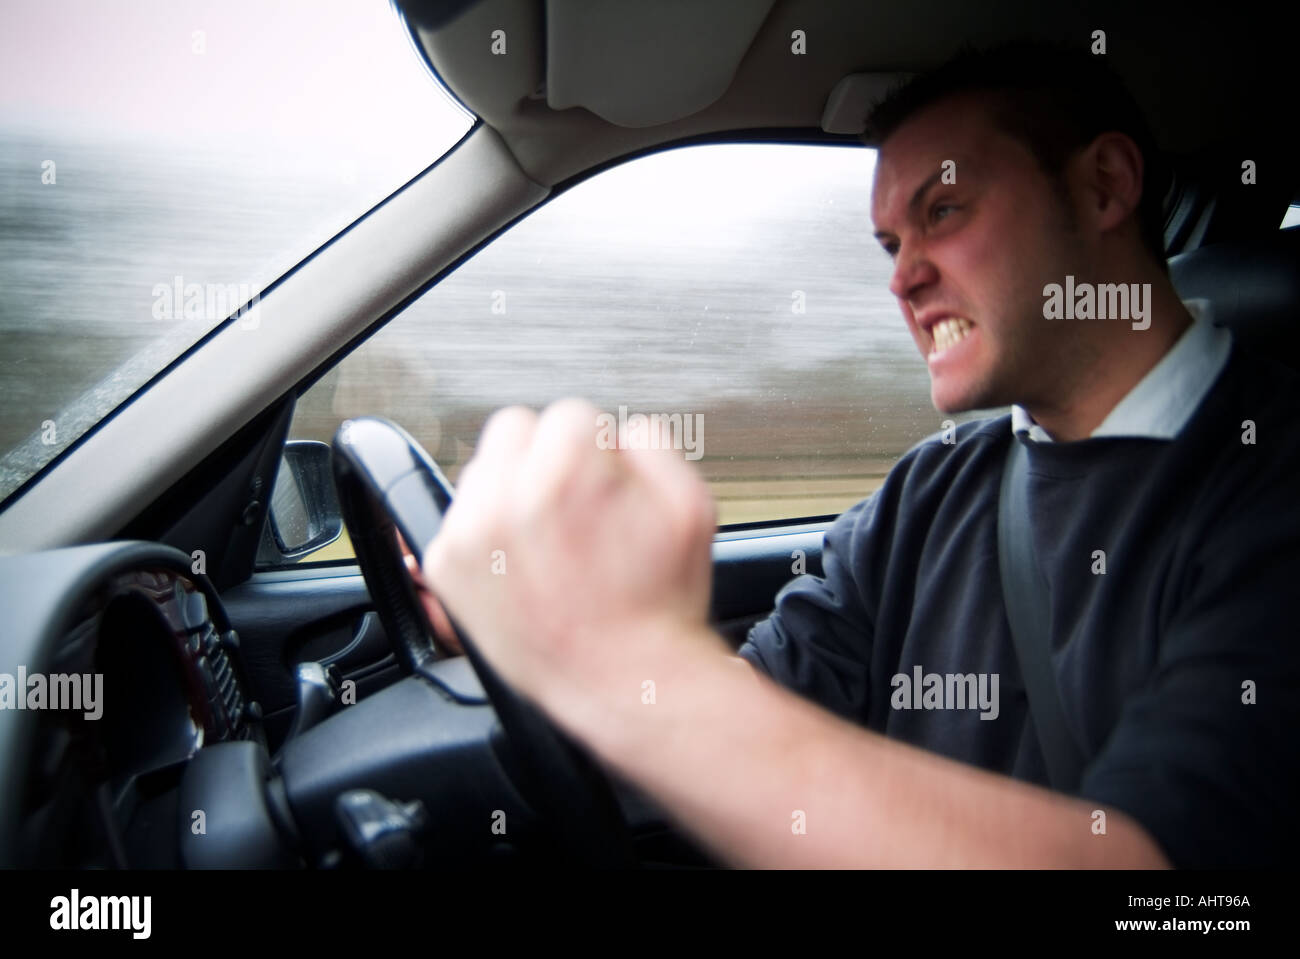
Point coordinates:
pixel 1162 402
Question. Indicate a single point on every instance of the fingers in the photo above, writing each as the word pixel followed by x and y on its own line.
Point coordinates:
pixel 444 633
pixel 600 540
pixel 408 557
pixel 547 486
pixel 506 432
pixel 564 468
pixel 676 487
pixel 479 487
pixel 555 460
pixel 413 568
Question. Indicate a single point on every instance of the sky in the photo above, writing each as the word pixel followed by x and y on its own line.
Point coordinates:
pixel 230 73
pixel 324 85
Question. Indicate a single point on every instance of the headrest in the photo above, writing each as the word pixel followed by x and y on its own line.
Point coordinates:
pixel 1254 289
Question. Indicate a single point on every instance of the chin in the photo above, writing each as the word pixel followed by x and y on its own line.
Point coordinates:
pixel 947 403
pixel 962 401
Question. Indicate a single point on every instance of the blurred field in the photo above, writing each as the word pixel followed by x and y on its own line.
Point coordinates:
pixel 751 501
pixel 698 282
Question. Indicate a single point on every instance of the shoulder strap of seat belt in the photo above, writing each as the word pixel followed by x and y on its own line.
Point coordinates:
pixel 1025 593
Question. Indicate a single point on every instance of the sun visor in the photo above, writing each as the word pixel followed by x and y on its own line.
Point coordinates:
pixel 641 64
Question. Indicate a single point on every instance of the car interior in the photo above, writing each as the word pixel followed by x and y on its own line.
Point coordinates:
pixel 226 741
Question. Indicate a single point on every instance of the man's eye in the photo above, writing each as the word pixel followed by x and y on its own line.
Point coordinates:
pixel 940 208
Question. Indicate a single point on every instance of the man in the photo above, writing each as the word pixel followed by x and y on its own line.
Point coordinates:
pixel 1164 525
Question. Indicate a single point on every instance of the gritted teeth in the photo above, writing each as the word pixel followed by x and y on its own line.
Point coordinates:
pixel 947 332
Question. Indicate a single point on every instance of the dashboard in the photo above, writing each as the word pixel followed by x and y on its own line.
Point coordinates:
pixel 121 666
pixel 129 740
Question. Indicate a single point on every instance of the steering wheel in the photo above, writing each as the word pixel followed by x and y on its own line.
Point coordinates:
pixel 385 481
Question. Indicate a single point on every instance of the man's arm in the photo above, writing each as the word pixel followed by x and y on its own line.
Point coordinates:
pixel 768 779
pixel 601 618
pixel 818 639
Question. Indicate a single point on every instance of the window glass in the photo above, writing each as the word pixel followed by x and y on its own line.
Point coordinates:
pixel 163 161
pixel 736 286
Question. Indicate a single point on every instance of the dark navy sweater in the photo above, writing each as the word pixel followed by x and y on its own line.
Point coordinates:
pixel 1157 659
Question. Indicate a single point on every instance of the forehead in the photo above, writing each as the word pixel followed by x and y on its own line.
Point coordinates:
pixel 960 129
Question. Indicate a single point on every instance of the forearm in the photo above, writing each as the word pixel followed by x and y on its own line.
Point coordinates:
pixel 767 779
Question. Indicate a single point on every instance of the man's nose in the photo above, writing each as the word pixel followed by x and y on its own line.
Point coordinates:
pixel 912 272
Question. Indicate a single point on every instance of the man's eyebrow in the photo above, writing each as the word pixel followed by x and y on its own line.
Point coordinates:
pixel 915 202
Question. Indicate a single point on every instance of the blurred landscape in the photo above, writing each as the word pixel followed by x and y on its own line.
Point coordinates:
pixel 80 259
pixel 693 282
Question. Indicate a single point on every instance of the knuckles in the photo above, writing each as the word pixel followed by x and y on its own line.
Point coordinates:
pixel 547 475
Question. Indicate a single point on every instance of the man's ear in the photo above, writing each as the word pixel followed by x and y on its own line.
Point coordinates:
pixel 1109 176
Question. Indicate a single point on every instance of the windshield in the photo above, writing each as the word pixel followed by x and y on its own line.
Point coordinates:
pixel 162 162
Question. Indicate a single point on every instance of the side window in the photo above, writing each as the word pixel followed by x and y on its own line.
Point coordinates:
pixel 738 286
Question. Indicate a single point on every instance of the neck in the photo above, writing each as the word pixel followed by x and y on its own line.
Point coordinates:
pixel 1118 357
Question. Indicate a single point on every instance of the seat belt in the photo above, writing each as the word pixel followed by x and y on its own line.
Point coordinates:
pixel 1024 592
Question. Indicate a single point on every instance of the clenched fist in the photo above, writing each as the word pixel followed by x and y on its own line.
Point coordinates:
pixel 575 569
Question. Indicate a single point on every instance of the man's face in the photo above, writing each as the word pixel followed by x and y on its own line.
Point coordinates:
pixel 974 241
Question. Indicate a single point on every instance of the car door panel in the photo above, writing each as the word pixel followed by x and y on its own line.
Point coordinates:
pixel 286 621
pixel 287 617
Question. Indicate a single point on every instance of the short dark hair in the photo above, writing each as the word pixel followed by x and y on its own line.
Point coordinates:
pixel 1054 99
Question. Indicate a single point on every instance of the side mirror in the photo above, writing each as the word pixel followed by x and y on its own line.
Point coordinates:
pixel 304 514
